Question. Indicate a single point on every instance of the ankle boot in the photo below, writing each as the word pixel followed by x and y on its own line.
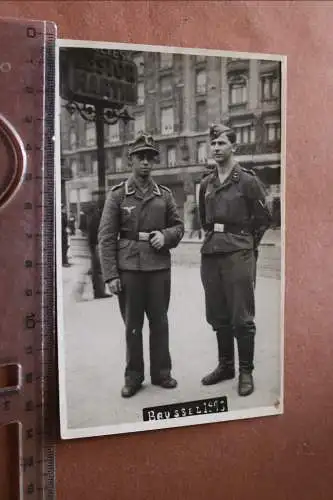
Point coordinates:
pixel 246 354
pixel 225 369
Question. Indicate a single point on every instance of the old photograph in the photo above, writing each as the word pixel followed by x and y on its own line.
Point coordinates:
pixel 170 236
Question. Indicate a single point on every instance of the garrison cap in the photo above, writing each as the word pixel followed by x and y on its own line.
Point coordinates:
pixel 216 130
pixel 144 142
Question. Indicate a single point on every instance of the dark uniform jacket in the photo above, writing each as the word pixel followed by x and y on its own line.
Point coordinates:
pixel 239 204
pixel 128 211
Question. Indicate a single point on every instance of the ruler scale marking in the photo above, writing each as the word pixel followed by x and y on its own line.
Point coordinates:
pixel 27 218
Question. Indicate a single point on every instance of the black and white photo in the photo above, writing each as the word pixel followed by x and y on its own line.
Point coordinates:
pixel 170 236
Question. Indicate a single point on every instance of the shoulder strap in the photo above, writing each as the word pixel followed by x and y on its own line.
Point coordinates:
pixel 249 171
pixel 117 186
pixel 165 188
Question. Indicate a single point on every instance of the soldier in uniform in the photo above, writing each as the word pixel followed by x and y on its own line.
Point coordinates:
pixel 139 226
pixel 234 217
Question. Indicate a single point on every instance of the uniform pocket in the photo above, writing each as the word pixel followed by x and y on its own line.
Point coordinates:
pixel 123 243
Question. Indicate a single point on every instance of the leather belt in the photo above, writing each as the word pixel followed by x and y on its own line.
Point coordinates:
pixel 217 227
pixel 133 235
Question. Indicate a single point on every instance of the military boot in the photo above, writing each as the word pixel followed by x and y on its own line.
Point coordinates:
pixel 245 354
pixel 225 369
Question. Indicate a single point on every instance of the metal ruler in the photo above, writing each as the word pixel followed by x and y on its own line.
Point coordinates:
pixel 28 397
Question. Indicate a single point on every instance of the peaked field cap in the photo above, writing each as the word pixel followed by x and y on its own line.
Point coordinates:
pixel 144 142
pixel 216 130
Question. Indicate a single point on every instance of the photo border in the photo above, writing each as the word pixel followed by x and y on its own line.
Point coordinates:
pixel 115 429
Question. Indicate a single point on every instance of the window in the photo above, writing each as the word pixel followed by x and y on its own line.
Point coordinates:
pixel 118 163
pixel 201 82
pixel 139 124
pixel 201 114
pixel 245 134
pixel 141 93
pixel 140 64
pixel 238 92
pixel 166 86
pixel 90 133
pixel 165 60
pixel 202 152
pixel 84 195
pixel 171 156
pixel 273 131
pixel 95 167
pixel 85 166
pixel 73 196
pixel 269 87
pixel 72 139
pixel 114 132
pixel 74 169
pixel 167 121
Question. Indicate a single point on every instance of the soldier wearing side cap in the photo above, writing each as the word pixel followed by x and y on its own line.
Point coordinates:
pixel 234 216
pixel 140 224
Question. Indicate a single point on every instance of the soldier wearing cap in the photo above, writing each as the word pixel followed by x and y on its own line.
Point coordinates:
pixel 140 224
pixel 234 217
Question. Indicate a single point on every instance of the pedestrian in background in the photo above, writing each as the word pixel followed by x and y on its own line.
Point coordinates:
pixel 195 221
pixel 64 236
pixel 139 225
pixel 93 220
pixel 83 221
pixel 234 217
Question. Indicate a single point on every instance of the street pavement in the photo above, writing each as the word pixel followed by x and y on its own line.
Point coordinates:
pixel 95 345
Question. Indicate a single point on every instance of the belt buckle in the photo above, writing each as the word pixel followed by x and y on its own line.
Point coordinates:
pixel 143 236
pixel 218 228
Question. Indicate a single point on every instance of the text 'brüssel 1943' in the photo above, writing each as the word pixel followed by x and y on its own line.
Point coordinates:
pixel 188 409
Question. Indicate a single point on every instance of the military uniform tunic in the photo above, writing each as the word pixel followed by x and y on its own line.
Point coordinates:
pixel 235 217
pixel 144 271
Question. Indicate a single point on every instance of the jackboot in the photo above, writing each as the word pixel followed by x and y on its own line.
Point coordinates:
pixel 245 354
pixel 225 369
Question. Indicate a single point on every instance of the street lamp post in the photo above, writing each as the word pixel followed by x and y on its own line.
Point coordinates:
pixel 100 148
pixel 101 116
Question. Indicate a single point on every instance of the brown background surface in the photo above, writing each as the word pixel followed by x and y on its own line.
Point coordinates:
pixel 275 458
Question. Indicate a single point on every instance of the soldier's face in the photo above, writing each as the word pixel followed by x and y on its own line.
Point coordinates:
pixel 142 163
pixel 221 148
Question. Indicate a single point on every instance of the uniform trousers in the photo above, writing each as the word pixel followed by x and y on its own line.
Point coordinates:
pixel 229 281
pixel 146 292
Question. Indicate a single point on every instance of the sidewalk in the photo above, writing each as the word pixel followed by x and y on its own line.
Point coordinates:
pixel 95 353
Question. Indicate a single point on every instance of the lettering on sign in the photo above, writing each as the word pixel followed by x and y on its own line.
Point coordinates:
pixel 99 77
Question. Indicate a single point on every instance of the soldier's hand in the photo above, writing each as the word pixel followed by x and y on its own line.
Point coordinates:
pixel 114 286
pixel 157 240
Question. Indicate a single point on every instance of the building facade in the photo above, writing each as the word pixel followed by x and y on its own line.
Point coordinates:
pixel 179 96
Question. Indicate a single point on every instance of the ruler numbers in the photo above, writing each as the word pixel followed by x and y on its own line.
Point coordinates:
pixel 32 122
pixel 36 460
